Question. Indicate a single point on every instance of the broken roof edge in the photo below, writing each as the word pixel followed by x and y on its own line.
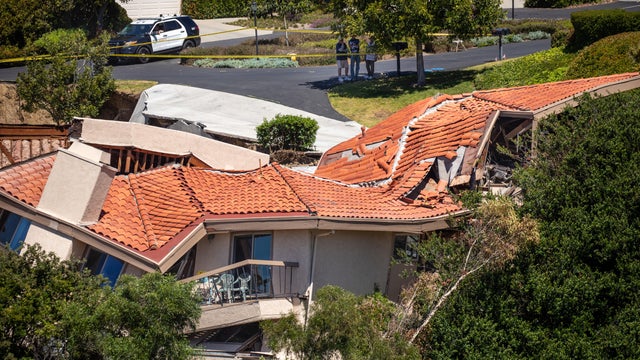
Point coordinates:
pixel 601 90
pixel 167 141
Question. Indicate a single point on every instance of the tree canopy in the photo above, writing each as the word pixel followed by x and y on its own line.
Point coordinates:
pixel 68 76
pixel 415 20
pixel 24 21
pixel 573 296
pixel 340 323
pixel 50 309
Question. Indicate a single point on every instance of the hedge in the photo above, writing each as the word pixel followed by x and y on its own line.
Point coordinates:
pixel 211 9
pixel 612 55
pixel 592 25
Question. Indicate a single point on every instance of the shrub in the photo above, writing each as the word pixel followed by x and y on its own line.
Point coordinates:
pixel 484 41
pixel 593 25
pixel 521 26
pixel 289 132
pixel 261 63
pixel 554 3
pixel 10 52
pixel 207 9
pixel 536 35
pixel 541 67
pixel 612 55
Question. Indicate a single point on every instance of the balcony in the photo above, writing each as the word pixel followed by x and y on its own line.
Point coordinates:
pixel 244 292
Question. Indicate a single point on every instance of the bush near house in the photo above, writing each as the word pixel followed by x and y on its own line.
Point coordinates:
pixel 50 310
pixel 612 55
pixel 545 66
pixel 593 25
pixel 288 132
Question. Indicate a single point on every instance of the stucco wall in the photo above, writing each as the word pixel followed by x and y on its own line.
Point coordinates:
pixel 294 246
pixel 151 8
pixel 212 253
pixel 50 241
pixel 355 261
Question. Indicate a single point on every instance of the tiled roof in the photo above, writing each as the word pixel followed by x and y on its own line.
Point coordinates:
pixel 147 210
pixel 26 181
pixel 330 199
pixel 534 97
pixel 397 151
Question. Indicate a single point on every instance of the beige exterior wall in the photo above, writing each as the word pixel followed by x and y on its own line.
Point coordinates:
pixel 294 246
pixel 50 241
pixel 133 271
pixel 355 261
pixel 287 245
pixel 212 252
pixel 151 8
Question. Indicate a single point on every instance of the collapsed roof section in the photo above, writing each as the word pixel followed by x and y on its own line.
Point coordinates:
pixel 393 177
pixel 457 141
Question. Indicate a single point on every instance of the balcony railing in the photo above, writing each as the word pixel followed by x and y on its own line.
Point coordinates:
pixel 245 280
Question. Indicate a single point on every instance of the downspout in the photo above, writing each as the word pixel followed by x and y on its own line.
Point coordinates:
pixel 309 292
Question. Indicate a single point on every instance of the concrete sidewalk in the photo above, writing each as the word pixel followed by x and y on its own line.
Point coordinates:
pixel 219 30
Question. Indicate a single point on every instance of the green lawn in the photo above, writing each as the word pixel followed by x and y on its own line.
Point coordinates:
pixel 369 102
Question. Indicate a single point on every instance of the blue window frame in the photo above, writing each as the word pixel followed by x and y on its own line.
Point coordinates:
pixel 13 229
pixel 103 264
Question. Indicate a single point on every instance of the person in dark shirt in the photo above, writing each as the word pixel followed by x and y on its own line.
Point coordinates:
pixel 354 48
pixel 341 56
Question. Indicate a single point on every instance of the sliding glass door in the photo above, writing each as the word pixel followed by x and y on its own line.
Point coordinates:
pixel 255 246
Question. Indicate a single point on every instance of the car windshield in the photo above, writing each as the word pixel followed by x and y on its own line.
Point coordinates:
pixel 135 29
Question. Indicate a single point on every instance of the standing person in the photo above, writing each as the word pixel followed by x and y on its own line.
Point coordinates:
pixel 341 57
pixel 354 47
pixel 370 57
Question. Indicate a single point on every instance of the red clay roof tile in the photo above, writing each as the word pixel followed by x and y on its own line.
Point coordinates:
pixel 26 181
pixel 147 210
pixel 437 127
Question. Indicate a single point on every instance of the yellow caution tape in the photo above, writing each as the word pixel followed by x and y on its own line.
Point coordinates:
pixel 231 56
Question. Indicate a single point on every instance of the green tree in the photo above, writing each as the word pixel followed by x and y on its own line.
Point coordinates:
pixel 49 309
pixel 289 9
pixel 415 19
pixel 488 240
pixel 69 76
pixel 39 297
pixel 145 318
pixel 574 296
pixel 342 323
pixel 24 21
pixel 289 132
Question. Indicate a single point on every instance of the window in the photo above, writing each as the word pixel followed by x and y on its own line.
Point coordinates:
pixel 13 229
pixel 255 246
pixel 100 263
pixel 252 246
pixel 171 25
pixel 405 244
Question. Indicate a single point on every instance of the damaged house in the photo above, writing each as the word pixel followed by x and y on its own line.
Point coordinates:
pixel 257 239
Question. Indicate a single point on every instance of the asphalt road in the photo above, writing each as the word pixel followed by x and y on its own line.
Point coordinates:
pixel 305 88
